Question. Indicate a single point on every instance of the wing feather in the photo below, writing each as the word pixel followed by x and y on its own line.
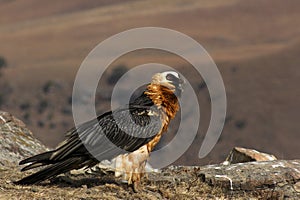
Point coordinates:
pixel 125 129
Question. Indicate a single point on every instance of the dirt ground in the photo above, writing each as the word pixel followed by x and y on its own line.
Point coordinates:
pixel 182 183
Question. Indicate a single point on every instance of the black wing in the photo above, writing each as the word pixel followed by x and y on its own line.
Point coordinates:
pixel 111 134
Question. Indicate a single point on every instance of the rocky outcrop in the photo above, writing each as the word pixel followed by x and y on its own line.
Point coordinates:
pixel 279 179
pixel 241 155
pixel 16 141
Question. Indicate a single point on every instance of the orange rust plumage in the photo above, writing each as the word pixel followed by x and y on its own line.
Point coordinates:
pixel 164 98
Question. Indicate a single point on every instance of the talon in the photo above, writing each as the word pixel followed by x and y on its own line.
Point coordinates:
pixel 136 186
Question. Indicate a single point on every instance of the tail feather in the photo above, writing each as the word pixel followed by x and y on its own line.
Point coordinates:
pixel 31 166
pixel 41 158
pixel 52 171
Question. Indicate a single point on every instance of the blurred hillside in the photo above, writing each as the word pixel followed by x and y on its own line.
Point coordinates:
pixel 255 44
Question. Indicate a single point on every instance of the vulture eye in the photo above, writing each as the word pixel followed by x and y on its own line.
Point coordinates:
pixel 171 77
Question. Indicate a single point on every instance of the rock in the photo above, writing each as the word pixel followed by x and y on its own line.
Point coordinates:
pixel 297 186
pixel 16 141
pixel 241 155
pixel 279 176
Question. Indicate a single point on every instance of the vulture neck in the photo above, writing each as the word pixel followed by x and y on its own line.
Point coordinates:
pixel 164 98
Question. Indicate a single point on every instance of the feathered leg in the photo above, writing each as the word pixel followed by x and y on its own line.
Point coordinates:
pixel 132 166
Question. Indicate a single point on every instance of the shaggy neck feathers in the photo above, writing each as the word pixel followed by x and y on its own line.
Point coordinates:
pixel 163 98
